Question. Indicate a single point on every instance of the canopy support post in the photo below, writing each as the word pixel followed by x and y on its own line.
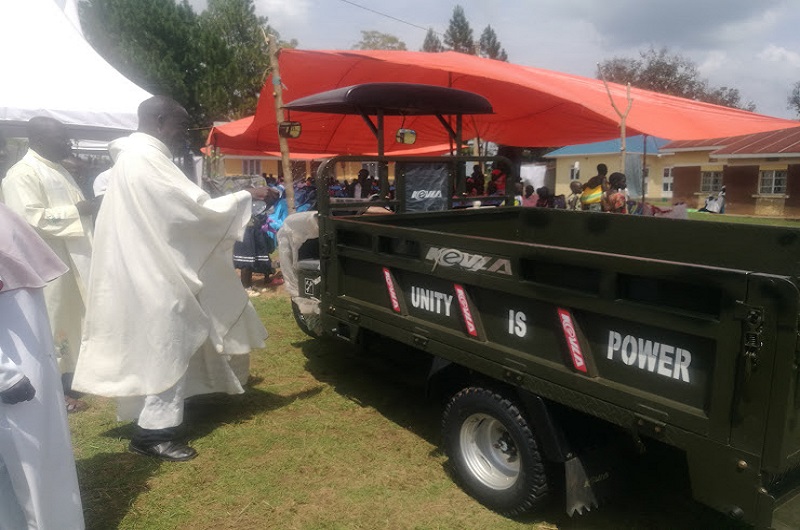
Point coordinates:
pixel 277 94
pixel 368 121
pixel 382 169
pixel 454 135
pixel 644 168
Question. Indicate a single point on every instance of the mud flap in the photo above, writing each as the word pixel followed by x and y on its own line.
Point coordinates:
pixel 590 478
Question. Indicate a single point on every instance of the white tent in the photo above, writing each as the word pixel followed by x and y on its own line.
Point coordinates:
pixel 50 70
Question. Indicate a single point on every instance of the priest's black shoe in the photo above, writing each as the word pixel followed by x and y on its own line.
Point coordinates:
pixel 170 451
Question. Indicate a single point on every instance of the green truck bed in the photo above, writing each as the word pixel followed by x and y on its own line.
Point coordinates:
pixel 680 331
pixel 549 327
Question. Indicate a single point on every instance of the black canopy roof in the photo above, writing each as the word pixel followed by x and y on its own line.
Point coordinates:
pixel 398 99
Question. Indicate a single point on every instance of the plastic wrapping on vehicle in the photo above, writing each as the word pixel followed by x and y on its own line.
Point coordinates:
pixel 297 229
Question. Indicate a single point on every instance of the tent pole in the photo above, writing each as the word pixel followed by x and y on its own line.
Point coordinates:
pixel 277 94
pixel 476 147
pixel 644 168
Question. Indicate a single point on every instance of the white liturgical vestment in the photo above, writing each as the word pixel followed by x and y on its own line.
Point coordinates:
pixel 164 300
pixel 38 483
pixel 44 194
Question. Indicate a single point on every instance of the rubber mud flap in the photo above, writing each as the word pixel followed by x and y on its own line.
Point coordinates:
pixel 580 495
pixel 591 478
pixel 306 315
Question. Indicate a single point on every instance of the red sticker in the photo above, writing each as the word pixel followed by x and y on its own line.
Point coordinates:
pixel 572 340
pixel 387 276
pixel 465 312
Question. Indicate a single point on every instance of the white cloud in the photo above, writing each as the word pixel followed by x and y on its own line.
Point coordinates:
pixel 714 61
pixel 779 54
pixel 755 26
pixel 284 11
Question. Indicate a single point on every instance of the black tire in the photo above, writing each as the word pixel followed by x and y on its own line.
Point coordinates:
pixel 493 452
pixel 305 325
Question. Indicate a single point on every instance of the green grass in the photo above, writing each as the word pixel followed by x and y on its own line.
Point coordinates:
pixel 744 219
pixel 323 439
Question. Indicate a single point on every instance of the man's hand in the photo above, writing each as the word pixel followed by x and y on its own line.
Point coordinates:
pixel 264 193
pixel 90 206
pixel 21 391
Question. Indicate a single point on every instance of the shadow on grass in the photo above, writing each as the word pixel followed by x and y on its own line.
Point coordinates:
pixel 107 498
pixel 389 378
pixel 655 494
pixel 205 413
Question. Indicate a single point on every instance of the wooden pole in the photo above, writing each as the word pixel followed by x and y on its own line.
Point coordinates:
pixel 277 94
pixel 622 144
pixel 622 117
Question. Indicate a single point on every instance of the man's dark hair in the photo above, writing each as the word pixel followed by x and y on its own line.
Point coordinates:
pixel 48 137
pixel 40 127
pixel 602 169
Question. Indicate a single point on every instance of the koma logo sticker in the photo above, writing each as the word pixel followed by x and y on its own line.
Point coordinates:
pixel 426 194
pixel 451 257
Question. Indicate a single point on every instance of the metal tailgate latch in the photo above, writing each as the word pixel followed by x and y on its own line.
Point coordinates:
pixel 753 329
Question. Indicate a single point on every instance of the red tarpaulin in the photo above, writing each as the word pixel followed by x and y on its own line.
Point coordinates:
pixel 532 106
pixel 227 135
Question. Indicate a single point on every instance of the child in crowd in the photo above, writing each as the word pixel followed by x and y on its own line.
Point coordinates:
pixel 529 197
pixel 574 198
pixel 615 199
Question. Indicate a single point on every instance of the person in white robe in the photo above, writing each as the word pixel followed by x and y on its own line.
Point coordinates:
pixel 38 482
pixel 167 317
pixel 41 190
pixel 100 184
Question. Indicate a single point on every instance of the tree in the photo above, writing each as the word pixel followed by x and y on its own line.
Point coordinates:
pixel 375 40
pixel 793 101
pixel 490 47
pixel 667 73
pixel 432 42
pixel 727 97
pixel 213 64
pixel 232 89
pixel 149 41
pixel 458 36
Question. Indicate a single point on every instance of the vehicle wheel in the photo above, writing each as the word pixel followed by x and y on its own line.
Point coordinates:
pixel 493 452
pixel 309 325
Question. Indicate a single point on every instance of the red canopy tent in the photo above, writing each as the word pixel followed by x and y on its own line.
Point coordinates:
pixel 231 139
pixel 224 136
pixel 532 106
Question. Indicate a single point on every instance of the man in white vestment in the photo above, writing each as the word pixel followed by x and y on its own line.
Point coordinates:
pixel 41 191
pixel 38 483
pixel 167 316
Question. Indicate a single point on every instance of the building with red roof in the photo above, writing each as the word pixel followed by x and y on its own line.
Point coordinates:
pixel 760 172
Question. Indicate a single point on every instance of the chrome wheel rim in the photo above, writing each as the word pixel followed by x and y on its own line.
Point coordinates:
pixel 489 451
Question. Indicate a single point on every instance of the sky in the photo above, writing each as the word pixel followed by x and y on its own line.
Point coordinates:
pixel 750 45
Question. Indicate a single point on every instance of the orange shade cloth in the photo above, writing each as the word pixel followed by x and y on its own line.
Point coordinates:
pixel 532 107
